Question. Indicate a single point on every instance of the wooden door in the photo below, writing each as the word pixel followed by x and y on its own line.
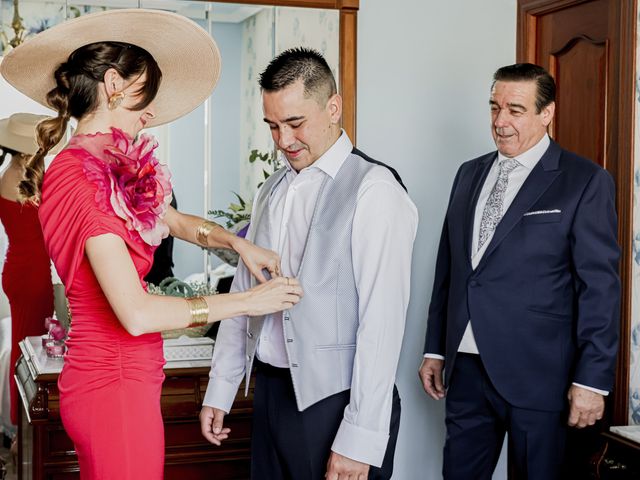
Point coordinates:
pixel 589 48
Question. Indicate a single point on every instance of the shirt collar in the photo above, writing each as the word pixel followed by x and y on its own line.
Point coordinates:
pixel 331 160
pixel 531 157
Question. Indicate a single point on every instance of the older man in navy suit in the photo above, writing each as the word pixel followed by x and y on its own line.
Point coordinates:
pixel 523 318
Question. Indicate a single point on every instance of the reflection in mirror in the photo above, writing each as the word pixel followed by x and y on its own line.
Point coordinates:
pixel 249 42
pixel 208 150
pixel 286 27
pixel 248 37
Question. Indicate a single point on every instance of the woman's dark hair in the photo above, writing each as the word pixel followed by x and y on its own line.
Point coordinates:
pixel 76 95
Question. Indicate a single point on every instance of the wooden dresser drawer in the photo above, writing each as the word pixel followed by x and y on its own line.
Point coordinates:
pixel 47 452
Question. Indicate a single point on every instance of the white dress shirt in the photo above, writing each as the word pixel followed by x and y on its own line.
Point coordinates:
pixel 526 162
pixel 384 228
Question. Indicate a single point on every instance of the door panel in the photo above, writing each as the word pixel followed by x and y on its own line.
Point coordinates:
pixel 581 67
pixel 589 48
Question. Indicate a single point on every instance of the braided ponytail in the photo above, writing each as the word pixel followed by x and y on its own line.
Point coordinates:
pixel 48 133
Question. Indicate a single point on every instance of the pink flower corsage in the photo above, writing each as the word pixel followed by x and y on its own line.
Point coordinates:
pixel 131 182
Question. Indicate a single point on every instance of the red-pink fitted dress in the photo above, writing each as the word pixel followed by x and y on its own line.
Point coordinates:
pixel 111 381
pixel 26 279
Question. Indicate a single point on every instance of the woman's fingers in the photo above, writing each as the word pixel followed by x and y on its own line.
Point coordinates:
pixel 277 294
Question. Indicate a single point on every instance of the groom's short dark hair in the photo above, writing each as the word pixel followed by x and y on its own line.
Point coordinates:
pixel 304 64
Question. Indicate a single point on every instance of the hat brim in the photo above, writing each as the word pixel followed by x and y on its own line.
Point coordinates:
pixel 186 54
pixel 23 144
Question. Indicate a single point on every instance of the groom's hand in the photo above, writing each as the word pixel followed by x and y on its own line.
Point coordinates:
pixel 211 425
pixel 340 467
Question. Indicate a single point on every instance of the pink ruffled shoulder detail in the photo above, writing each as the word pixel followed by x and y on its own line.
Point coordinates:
pixel 69 216
pixel 131 182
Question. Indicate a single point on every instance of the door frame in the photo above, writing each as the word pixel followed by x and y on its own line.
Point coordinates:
pixel 620 144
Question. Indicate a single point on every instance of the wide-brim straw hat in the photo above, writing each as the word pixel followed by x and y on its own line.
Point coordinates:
pixel 186 54
pixel 18 132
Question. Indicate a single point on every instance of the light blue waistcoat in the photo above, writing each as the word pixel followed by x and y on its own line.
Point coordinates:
pixel 320 331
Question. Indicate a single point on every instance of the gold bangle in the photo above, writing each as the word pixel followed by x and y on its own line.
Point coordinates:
pixel 199 310
pixel 203 231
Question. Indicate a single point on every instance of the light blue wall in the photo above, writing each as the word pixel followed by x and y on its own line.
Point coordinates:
pixel 186 150
pixel 225 117
pixel 424 72
pixel 186 142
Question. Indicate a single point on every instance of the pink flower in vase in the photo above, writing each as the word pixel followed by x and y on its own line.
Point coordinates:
pixel 131 182
pixel 49 322
pixel 57 332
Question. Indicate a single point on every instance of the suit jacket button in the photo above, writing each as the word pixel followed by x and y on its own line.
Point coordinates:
pixel 250 334
pixel 473 283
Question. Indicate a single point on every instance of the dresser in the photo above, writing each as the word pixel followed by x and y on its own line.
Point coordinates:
pixel 620 459
pixel 46 452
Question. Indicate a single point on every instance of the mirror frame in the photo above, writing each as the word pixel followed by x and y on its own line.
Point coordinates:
pixel 348 10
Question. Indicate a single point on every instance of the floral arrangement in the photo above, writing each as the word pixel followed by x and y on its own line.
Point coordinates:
pixel 237 215
pixel 53 342
pixel 55 329
pixel 177 288
pixel 131 182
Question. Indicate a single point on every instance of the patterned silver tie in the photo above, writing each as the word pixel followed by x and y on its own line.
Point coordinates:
pixel 492 213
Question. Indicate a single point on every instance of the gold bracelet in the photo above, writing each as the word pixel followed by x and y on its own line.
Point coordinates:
pixel 199 310
pixel 203 231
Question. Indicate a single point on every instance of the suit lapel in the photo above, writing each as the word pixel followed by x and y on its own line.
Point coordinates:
pixel 538 181
pixel 479 176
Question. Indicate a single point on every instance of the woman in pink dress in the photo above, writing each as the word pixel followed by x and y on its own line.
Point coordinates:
pixel 26 273
pixel 104 207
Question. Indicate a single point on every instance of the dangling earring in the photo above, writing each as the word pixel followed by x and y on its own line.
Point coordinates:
pixel 115 100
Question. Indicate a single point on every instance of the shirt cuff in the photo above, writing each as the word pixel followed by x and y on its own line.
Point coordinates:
pixel 220 394
pixel 360 444
pixel 433 355
pixel 604 393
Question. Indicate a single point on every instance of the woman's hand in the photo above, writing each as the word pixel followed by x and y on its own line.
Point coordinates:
pixel 277 294
pixel 256 259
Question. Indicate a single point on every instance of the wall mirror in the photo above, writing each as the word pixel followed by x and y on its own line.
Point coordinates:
pixel 208 150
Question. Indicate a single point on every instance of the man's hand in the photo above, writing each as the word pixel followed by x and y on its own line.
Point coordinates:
pixel 344 468
pixel 430 373
pixel 211 425
pixel 585 407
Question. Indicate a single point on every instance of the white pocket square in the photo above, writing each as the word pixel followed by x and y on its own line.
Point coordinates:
pixel 542 212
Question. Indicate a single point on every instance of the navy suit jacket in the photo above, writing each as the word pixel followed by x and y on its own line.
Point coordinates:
pixel 544 300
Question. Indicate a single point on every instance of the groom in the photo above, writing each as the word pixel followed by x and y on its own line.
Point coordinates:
pixel 325 401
